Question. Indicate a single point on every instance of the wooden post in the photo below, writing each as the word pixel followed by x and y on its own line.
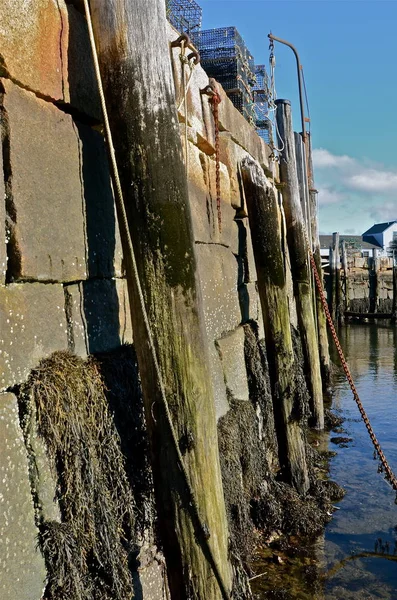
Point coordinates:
pixel 325 361
pixel 373 269
pixel 345 278
pixel 302 179
pixel 300 266
pixel 266 232
pixel 335 277
pixel 135 64
pixel 394 306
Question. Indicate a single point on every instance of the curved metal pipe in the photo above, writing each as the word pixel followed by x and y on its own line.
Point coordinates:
pixel 299 68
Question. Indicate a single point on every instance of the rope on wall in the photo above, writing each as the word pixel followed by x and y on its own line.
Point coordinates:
pixel 193 506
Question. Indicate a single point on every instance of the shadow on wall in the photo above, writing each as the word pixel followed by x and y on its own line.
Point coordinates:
pixel 242 272
pixel 99 294
pixel 103 299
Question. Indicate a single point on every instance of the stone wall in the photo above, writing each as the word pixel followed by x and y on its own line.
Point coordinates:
pixel 62 283
pixel 366 290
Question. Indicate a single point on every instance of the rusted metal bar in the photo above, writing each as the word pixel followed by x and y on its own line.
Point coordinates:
pixel 184 38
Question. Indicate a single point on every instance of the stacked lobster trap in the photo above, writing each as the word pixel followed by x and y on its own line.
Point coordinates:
pixel 225 57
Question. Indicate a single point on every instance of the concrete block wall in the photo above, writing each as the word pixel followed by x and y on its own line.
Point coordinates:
pixel 62 284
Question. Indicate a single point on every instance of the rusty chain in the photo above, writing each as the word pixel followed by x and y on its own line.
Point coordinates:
pixel 378 452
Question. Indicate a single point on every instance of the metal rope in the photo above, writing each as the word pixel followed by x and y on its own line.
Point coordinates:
pixel 203 528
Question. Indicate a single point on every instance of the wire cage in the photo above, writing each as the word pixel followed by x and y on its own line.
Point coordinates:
pixel 225 57
pixel 184 15
pixel 261 94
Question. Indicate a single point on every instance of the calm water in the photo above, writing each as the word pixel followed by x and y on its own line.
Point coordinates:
pixel 357 557
pixel 367 519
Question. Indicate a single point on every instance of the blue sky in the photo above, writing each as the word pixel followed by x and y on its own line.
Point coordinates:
pixel 348 49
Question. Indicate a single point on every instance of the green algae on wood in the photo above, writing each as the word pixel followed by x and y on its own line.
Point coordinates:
pixel 138 84
pixel 300 266
pixel 265 223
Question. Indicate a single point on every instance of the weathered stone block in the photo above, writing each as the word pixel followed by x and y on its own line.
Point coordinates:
pixel 150 582
pixel 65 223
pixel 231 154
pixel 44 46
pixel 231 352
pixel 244 134
pixel 32 326
pixel 218 273
pixel 199 111
pixel 218 381
pixel 32 51
pixel 203 204
pixel 22 566
pixel 47 191
pixel 99 315
pixel 359 262
pixel 3 248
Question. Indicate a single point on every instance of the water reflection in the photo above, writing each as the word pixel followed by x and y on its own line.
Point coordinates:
pixel 361 541
pixel 356 558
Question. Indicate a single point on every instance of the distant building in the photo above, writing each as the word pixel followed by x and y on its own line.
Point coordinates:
pixel 355 246
pixel 382 235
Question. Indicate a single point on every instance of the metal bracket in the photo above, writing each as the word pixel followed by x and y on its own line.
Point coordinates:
pixel 184 38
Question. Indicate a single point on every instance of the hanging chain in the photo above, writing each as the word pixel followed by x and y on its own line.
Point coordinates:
pixel 378 452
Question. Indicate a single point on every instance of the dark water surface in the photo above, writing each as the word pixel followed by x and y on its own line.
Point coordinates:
pixel 367 519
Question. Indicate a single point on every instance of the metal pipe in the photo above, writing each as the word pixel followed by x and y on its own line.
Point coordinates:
pixel 308 174
pixel 299 68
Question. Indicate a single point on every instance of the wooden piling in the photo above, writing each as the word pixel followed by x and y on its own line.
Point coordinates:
pixel 334 272
pixel 136 70
pixel 300 266
pixel 345 283
pixel 301 168
pixel 394 305
pixel 325 361
pixel 266 232
pixel 373 273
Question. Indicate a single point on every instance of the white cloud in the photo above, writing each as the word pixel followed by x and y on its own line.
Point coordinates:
pixel 324 159
pixel 353 193
pixel 352 174
pixel 387 211
pixel 328 196
pixel 374 181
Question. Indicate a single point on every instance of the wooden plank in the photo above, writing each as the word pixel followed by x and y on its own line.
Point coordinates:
pixel 349 313
pixel 135 65
pixel 300 267
pixel 266 232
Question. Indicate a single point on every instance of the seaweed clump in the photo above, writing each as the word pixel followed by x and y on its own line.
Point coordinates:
pixel 261 507
pixel 87 553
